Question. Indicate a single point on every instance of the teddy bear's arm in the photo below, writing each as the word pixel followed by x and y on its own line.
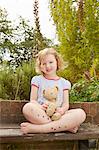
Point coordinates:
pixel 45 106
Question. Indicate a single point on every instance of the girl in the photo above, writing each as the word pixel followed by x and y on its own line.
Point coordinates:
pixel 48 63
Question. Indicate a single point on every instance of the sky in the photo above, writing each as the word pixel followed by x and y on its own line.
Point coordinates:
pixel 24 8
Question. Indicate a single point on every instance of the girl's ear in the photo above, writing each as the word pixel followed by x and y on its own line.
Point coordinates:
pixel 43 91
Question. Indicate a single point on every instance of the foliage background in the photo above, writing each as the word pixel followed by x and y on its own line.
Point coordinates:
pixel 15 85
pixel 77 31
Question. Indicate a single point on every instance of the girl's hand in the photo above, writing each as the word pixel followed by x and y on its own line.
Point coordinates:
pixel 60 110
pixel 44 106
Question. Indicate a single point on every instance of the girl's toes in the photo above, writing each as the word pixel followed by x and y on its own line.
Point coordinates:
pixel 23 130
pixel 74 130
pixel 24 124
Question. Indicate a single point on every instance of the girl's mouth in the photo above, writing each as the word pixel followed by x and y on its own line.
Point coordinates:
pixel 48 70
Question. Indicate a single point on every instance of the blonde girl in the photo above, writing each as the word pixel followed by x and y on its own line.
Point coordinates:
pixel 47 65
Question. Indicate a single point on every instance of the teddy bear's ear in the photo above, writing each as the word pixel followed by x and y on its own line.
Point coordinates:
pixel 56 87
pixel 43 91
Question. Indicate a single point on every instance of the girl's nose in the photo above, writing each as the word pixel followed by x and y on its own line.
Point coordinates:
pixel 47 65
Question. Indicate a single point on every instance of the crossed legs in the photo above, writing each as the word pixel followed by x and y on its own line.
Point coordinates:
pixel 34 113
pixel 41 123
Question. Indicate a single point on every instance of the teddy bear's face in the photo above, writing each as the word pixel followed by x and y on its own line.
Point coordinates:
pixel 51 93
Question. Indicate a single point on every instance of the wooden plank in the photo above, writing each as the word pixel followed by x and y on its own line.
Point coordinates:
pixel 54 145
pixel 16 136
pixel 11 135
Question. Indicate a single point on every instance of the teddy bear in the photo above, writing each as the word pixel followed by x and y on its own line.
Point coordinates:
pixel 50 95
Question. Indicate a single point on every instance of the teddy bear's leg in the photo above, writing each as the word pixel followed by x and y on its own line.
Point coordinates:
pixel 50 110
pixel 56 116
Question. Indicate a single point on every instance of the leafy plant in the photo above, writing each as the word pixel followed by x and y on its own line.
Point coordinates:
pixel 85 91
pixel 15 84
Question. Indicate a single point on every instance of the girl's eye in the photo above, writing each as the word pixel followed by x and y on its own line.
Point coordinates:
pixel 51 62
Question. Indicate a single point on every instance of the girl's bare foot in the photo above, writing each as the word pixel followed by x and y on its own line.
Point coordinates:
pixel 27 127
pixel 74 130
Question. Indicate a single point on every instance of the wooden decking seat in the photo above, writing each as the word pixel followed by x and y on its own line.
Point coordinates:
pixel 10 134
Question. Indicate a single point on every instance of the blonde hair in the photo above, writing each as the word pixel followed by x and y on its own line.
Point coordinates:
pixel 45 52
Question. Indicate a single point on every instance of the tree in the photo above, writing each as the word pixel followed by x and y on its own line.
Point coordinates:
pixel 40 41
pixel 19 40
pixel 24 42
pixel 5 33
pixel 77 29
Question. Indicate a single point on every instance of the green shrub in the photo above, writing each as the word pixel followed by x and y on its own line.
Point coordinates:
pixel 85 91
pixel 7 83
pixel 15 84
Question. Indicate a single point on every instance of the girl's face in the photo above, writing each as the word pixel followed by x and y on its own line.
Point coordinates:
pixel 49 65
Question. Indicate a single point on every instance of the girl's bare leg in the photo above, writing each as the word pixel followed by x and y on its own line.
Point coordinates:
pixel 34 113
pixel 69 121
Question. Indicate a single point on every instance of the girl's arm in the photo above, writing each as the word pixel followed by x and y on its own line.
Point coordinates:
pixel 66 100
pixel 65 105
pixel 33 94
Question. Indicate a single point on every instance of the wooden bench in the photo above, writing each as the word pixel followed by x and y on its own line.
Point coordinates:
pixel 11 136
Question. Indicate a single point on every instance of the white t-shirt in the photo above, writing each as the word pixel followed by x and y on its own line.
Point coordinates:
pixel 43 83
